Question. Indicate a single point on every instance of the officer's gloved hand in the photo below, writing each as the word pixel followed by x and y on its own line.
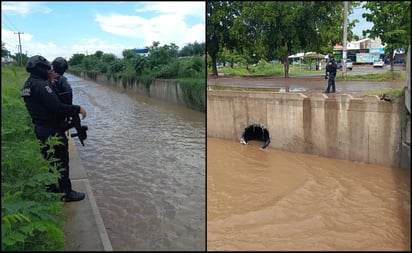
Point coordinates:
pixel 326 76
pixel 52 76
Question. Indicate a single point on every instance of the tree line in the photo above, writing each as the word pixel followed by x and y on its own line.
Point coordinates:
pixel 187 66
pixel 165 61
pixel 249 31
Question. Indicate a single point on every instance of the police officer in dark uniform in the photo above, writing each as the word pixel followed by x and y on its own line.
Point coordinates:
pixel 61 85
pixel 48 115
pixel 65 94
pixel 330 74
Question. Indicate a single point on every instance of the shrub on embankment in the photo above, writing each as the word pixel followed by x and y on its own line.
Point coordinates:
pixel 189 92
pixel 31 218
pixel 161 62
pixel 193 93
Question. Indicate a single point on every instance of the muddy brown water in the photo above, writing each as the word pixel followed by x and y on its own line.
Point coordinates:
pixel 146 163
pixel 145 160
pixel 274 200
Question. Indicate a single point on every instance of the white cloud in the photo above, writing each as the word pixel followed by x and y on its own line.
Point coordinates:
pixel 128 26
pixel 183 8
pixel 24 8
pixel 166 28
pixel 195 33
pixel 51 50
pixel 91 45
pixel 168 24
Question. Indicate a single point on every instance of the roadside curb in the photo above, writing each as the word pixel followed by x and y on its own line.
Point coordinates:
pixel 84 229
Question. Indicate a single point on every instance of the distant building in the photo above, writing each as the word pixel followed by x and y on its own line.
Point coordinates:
pixel 142 51
pixel 361 51
pixel 7 60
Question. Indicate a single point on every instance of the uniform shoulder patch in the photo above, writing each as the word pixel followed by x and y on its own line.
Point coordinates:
pixel 49 90
pixel 26 92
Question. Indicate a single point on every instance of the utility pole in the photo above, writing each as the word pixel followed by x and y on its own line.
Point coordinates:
pixel 20 51
pixel 345 34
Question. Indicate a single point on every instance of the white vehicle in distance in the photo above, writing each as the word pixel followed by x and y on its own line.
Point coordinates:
pixel 379 64
pixel 349 64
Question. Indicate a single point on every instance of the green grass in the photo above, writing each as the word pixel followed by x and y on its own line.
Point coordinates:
pixel 32 219
pixel 386 76
pixel 270 70
pixel 193 92
pixel 394 93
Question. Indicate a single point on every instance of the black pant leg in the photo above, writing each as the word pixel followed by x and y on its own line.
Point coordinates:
pixel 61 153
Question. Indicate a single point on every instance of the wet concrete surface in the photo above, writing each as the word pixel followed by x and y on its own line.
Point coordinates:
pixel 84 228
pixel 314 83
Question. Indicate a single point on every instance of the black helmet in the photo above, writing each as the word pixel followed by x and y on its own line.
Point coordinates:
pixel 60 65
pixel 331 56
pixel 36 60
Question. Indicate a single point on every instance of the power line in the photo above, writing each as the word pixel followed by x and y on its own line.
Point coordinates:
pixel 7 43
pixel 9 21
pixel 9 25
pixel 5 25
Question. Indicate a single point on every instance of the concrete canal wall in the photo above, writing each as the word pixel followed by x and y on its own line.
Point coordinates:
pixel 337 126
pixel 406 133
pixel 165 89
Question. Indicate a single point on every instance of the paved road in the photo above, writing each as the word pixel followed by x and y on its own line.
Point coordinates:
pixel 311 84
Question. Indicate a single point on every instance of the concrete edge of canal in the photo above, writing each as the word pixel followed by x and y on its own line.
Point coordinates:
pixel 84 229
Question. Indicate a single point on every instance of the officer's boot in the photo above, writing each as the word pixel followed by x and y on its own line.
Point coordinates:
pixel 73 196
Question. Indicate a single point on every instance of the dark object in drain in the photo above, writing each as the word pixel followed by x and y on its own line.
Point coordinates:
pixel 386 98
pixel 256 132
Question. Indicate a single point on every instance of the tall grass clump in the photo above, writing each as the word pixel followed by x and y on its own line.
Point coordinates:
pixel 193 92
pixel 191 78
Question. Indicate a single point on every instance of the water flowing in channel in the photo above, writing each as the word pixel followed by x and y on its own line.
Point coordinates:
pixel 145 160
pixel 266 199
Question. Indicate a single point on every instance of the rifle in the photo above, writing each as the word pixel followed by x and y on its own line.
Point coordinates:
pixel 80 129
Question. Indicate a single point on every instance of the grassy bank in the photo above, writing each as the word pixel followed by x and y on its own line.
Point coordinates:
pixel 32 219
pixel 265 69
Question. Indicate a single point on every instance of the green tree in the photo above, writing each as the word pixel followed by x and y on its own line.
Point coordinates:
pixel 159 56
pixel 139 64
pixel 391 23
pixel 128 54
pixel 276 30
pixel 105 60
pixel 272 30
pixel 4 51
pixel 192 49
pixel 220 16
pixel 90 63
pixel 76 59
pixel 117 66
pixel 98 54
pixel 108 58
pixel 21 59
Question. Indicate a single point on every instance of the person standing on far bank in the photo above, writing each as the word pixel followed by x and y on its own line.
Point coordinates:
pixel 330 74
pixel 48 115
